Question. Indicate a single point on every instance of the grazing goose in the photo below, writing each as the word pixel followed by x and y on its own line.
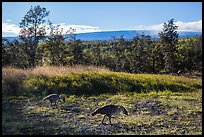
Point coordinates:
pixel 110 110
pixel 53 98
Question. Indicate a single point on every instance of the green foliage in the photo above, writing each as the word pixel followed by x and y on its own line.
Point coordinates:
pixel 13 54
pixel 54 51
pixel 169 39
pixel 32 31
pixel 190 54
pixel 89 83
pixel 141 55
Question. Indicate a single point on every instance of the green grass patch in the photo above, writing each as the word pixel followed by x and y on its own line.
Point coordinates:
pixel 153 113
pixel 96 83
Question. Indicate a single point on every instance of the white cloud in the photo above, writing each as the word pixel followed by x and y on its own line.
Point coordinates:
pixel 182 26
pixel 9 29
pixel 80 28
pixel 77 28
pixel 190 26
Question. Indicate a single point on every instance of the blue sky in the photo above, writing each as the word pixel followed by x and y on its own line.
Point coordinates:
pixel 102 16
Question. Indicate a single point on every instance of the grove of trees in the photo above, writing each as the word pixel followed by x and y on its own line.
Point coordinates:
pixel 142 54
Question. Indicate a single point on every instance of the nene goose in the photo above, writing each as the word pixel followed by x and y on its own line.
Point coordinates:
pixel 110 110
pixel 53 98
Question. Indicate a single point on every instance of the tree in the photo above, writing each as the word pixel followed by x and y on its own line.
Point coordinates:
pixel 55 44
pixel 157 57
pixel 33 30
pixel 169 39
pixel 141 49
pixel 12 54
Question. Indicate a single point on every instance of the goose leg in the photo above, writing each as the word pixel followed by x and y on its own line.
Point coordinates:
pixel 110 120
pixel 103 119
pixel 51 103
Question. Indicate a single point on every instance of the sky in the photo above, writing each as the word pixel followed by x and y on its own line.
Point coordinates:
pixel 107 16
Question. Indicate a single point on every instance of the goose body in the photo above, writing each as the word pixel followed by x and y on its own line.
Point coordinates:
pixel 53 98
pixel 110 110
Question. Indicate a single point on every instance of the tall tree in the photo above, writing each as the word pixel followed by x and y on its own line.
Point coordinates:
pixel 33 30
pixel 169 39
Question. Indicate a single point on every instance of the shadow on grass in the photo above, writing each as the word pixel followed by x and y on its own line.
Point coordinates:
pixel 16 122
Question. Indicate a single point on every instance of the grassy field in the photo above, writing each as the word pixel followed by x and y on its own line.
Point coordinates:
pixel 157 104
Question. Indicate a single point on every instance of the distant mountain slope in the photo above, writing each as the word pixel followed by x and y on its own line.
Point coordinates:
pixel 127 34
pixel 109 35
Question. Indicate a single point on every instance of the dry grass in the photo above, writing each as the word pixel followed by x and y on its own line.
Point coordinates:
pixel 12 77
pixel 15 73
pixel 60 71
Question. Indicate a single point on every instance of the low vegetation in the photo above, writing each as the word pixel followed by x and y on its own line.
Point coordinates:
pixel 157 104
pixel 90 82
pixel 12 78
pixel 153 113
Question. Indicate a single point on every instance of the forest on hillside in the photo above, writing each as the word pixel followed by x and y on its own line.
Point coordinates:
pixel 142 54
